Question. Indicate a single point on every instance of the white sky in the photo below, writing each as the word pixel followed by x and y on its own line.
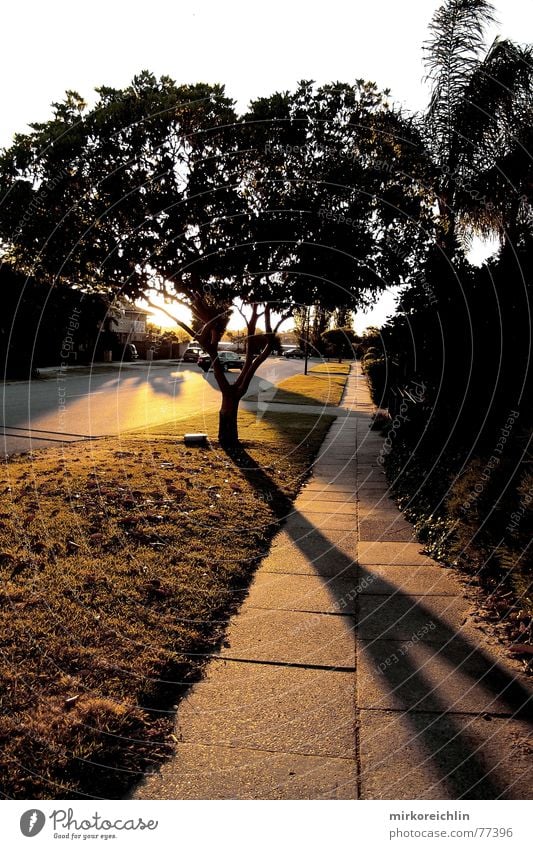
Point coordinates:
pixel 253 48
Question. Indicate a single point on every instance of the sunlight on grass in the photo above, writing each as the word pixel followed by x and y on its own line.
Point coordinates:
pixel 331 368
pixel 323 386
pixel 120 562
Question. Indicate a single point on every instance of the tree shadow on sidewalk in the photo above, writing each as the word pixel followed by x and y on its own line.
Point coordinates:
pixel 434 720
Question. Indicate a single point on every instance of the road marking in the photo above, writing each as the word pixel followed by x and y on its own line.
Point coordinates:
pixel 44 438
pixel 31 430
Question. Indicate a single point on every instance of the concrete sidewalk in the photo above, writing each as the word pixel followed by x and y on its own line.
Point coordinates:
pixel 355 668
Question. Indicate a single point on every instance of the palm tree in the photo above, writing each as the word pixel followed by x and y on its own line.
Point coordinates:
pixel 480 101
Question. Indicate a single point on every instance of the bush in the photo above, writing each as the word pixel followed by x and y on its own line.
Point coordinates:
pixel 376 369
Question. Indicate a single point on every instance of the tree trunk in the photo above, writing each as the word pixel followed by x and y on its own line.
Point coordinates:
pixel 228 432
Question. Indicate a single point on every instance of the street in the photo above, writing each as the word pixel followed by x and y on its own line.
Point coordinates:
pixel 111 399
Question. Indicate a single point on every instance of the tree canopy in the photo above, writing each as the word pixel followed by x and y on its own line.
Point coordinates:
pixel 309 197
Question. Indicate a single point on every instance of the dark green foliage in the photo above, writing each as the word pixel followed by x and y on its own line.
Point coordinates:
pixel 339 342
pixel 460 463
pixel 377 370
pixel 311 197
pixel 42 325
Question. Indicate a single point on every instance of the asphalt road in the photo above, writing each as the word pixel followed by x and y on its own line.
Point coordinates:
pixel 113 399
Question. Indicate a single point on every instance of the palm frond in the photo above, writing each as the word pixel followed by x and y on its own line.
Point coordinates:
pixel 494 103
pixel 452 54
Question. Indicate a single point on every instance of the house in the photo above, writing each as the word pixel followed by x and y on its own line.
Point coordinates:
pixel 130 324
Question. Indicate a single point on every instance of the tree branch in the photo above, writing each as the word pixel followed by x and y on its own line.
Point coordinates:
pixel 283 318
pixel 178 321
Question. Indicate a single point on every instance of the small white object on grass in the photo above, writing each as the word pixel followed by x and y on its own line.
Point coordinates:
pixel 195 439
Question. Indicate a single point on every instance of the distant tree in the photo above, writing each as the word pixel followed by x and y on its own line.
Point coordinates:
pixel 172 334
pixel 342 317
pixel 320 320
pixel 339 342
pixel 301 316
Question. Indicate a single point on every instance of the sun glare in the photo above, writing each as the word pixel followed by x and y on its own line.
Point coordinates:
pixel 162 314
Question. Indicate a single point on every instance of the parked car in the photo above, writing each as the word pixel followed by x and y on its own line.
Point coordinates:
pixel 191 355
pixel 130 353
pixel 228 359
pixel 294 353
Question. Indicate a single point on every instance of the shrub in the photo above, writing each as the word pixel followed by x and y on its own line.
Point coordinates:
pixel 376 369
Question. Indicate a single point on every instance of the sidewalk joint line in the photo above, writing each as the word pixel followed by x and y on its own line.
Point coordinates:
pixel 320 667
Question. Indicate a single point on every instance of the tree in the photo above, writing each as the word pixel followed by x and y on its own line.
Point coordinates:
pixel 321 319
pixel 474 132
pixel 474 116
pixel 343 318
pixel 340 342
pixel 465 332
pixel 301 316
pixel 163 189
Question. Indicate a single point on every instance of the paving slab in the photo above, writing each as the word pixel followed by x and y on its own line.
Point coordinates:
pixel 335 469
pixel 291 637
pixel 385 512
pixel 315 543
pixel 334 452
pixel 337 508
pixel 317 554
pixel 308 593
pixel 371 499
pixel 319 484
pixel 433 619
pixel 219 772
pixel 393 553
pixel 423 756
pixel 340 482
pixel 396 531
pixel 277 708
pixel 321 521
pixel 372 477
pixel 410 580
pixel 346 422
pixel 459 677
pixel 335 459
pixel 374 486
pixel 309 493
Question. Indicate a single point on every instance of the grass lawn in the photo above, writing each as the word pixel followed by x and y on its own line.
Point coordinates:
pixel 331 368
pixel 323 385
pixel 120 563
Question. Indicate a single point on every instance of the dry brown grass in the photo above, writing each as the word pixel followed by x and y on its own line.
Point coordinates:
pixel 120 562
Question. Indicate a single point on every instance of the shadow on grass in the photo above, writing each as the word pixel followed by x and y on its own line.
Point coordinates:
pixel 110 774
pixel 432 719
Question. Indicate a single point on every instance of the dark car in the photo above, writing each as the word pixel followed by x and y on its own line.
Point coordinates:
pixel 191 355
pixel 228 360
pixel 130 353
pixel 294 353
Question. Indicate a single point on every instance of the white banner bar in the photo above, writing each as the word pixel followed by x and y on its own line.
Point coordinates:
pixel 249 824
